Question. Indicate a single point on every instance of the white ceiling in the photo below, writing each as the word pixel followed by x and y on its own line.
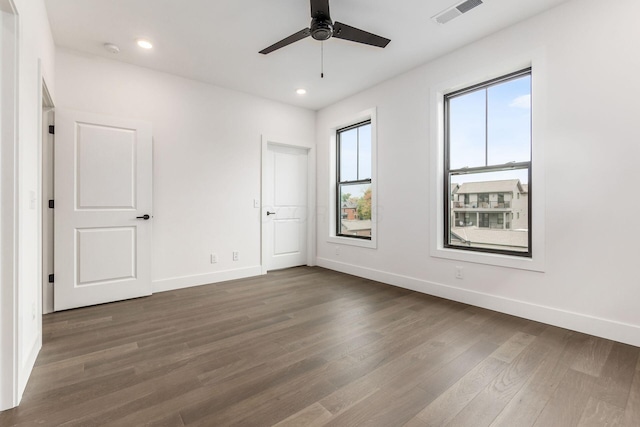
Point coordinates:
pixel 217 41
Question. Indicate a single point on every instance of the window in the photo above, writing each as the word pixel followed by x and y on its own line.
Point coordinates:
pixel 354 192
pixel 484 220
pixel 487 148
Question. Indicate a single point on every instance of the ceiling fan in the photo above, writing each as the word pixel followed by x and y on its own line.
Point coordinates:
pixel 322 28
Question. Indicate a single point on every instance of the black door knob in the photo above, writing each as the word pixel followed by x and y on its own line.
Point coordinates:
pixel 270 213
pixel 145 217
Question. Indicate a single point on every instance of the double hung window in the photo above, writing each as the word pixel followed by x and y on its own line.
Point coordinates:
pixel 353 181
pixel 488 166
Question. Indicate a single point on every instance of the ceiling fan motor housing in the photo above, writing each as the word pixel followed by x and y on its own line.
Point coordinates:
pixel 321 28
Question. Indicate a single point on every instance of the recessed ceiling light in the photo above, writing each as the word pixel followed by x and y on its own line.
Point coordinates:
pixel 145 44
pixel 301 91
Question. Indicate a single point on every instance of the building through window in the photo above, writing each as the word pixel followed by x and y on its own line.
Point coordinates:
pixel 488 166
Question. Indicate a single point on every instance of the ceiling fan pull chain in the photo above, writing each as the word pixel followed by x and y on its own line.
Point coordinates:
pixel 322 59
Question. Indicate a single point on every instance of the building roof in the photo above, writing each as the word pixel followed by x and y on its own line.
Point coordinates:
pixel 356 224
pixel 349 204
pixel 489 236
pixel 525 188
pixel 504 186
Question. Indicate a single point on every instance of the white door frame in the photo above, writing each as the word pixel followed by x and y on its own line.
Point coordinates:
pixel 9 384
pixel 46 182
pixel 311 197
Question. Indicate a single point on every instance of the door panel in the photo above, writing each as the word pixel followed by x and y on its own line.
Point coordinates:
pixel 289 167
pixel 286 236
pixel 101 152
pixel 102 184
pixel 286 201
pixel 118 245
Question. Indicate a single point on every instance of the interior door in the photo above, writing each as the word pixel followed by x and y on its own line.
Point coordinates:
pixel 284 210
pixel 102 226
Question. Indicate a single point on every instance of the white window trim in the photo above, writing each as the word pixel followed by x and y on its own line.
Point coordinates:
pixel 535 60
pixel 369 114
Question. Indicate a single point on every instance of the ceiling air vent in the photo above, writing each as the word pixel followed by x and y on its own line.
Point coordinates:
pixel 455 11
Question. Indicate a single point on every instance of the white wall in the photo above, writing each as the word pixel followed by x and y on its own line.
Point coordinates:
pixel 35 62
pixel 590 159
pixel 207 148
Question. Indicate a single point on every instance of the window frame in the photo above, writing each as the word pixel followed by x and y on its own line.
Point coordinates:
pixel 332 205
pixel 340 183
pixel 459 77
pixel 448 173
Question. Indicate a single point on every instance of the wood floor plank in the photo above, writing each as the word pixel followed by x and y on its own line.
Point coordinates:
pixel 593 356
pixel 311 347
pixel 513 347
pixel 568 402
pixel 445 344
pixel 600 414
pixel 616 376
pixel 488 404
pixel 312 415
pixel 407 395
pixel 632 408
pixel 525 407
pixel 455 398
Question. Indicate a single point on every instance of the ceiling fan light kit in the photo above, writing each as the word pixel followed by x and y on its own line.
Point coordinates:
pixel 323 28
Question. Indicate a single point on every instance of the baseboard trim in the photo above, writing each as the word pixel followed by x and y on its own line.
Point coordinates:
pixel 604 328
pixel 25 370
pixel 173 283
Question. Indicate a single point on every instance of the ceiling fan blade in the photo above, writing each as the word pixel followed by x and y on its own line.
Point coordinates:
pixel 346 32
pixel 287 41
pixel 320 8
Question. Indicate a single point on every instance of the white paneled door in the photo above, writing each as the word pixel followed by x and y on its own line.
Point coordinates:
pixel 103 173
pixel 284 213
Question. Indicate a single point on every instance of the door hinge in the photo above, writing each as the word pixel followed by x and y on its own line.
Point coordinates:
pixel 51 277
pixel 51 204
pixel 52 129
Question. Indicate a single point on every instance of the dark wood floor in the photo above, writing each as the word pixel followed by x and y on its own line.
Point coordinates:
pixel 309 346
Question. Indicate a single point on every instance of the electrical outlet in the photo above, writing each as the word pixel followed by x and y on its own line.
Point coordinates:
pixel 236 255
pixel 459 272
pixel 338 250
pixel 214 258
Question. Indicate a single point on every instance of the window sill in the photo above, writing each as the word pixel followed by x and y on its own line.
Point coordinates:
pixel 521 263
pixel 361 243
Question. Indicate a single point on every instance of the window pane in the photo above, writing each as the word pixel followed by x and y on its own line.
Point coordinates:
pixel 467 130
pixel 349 155
pixel 509 121
pixel 355 210
pixel 490 210
pixel 364 152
